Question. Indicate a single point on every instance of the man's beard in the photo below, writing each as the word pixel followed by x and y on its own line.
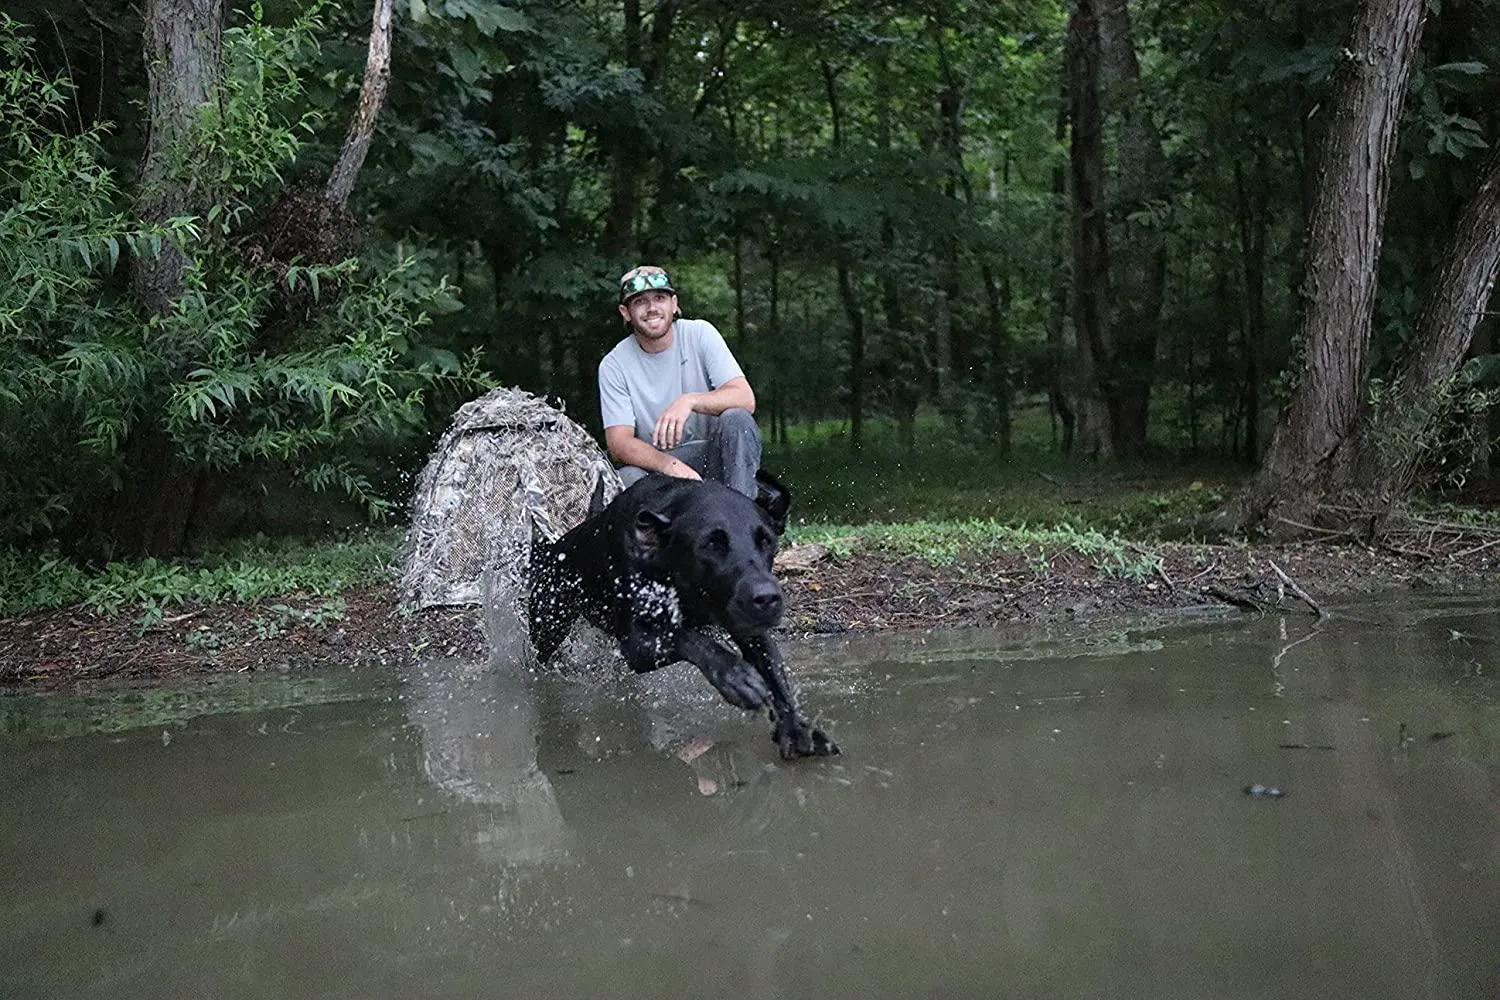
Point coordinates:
pixel 645 330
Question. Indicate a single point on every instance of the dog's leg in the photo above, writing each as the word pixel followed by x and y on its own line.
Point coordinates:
pixel 552 606
pixel 793 734
pixel 730 675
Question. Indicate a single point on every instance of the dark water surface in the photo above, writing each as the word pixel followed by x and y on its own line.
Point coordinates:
pixel 1055 816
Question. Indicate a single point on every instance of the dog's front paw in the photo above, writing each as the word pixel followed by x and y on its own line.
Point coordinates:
pixel 741 687
pixel 796 738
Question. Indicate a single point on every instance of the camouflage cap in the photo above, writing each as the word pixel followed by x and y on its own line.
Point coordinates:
pixel 645 278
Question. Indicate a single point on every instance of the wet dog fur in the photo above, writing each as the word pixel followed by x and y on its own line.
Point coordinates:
pixel 664 560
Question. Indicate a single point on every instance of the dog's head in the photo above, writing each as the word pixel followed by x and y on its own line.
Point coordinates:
pixel 717 547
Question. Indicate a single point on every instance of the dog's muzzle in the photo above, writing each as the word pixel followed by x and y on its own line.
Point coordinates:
pixel 757 606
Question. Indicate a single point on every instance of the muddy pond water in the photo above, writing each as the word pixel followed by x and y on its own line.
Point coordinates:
pixel 1054 814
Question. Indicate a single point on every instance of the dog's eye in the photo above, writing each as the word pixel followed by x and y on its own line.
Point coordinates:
pixel 716 541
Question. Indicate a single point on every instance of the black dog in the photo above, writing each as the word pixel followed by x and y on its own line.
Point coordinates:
pixel 665 559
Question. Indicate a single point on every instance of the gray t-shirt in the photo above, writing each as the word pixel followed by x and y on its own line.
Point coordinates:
pixel 636 387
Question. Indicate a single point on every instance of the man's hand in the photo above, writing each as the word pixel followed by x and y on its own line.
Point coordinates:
pixel 677 467
pixel 672 424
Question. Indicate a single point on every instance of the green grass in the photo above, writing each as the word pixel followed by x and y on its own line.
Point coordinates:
pixel 246 570
pixel 948 480
pixel 942 542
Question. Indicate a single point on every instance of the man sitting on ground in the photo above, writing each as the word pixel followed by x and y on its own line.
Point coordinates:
pixel 673 398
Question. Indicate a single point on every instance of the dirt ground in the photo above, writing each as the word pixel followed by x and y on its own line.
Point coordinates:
pixel 77 648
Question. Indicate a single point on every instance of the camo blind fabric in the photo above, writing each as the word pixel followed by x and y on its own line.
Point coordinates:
pixel 508 459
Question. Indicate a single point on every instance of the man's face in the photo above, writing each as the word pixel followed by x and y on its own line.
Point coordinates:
pixel 650 313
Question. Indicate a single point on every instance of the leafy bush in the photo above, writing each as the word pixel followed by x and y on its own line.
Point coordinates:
pixel 225 377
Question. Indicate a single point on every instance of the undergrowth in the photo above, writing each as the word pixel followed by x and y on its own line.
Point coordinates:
pixel 247 570
pixel 955 481
pixel 941 542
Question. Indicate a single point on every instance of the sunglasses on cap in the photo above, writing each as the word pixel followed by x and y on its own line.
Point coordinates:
pixel 644 281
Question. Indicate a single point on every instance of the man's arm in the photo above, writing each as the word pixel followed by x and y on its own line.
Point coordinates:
pixel 627 449
pixel 733 394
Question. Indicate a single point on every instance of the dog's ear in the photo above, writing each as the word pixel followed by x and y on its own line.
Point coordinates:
pixel 648 535
pixel 772 496
pixel 596 502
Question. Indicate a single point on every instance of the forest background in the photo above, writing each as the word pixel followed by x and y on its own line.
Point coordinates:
pixel 257 254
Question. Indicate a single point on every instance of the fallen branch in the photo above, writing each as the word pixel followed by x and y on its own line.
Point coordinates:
pixel 1243 603
pixel 1476 548
pixel 1327 533
pixel 1298 591
pixel 1458 529
pixel 1211 567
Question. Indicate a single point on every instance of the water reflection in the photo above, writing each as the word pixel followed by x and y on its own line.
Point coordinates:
pixel 1058 817
pixel 478 730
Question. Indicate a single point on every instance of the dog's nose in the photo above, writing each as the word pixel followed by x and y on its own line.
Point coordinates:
pixel 767 602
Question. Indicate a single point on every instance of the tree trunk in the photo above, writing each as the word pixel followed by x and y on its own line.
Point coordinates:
pixel 629 161
pixel 856 355
pixel 1390 444
pixel 905 348
pixel 151 511
pixel 773 336
pixel 371 97
pixel 1091 291
pixel 1060 376
pixel 1250 203
pixel 847 294
pixel 184 57
pixel 1139 261
pixel 1310 461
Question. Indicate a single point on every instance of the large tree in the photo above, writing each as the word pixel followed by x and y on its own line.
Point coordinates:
pixel 1391 441
pixel 1311 458
pixel 184 60
pixel 1119 259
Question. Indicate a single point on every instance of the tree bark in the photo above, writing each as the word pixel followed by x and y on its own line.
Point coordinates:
pixel 629 161
pixel 1390 443
pixel 1310 461
pixel 184 42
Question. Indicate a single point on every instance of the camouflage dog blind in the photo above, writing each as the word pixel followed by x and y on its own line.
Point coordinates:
pixel 507 460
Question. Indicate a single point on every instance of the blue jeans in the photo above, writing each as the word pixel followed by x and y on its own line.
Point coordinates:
pixel 730 453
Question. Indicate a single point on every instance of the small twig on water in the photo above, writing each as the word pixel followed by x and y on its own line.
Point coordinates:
pixel 1298 591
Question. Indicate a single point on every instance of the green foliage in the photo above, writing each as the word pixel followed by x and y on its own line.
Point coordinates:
pixel 227 379
pixel 1443 438
pixel 243 572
